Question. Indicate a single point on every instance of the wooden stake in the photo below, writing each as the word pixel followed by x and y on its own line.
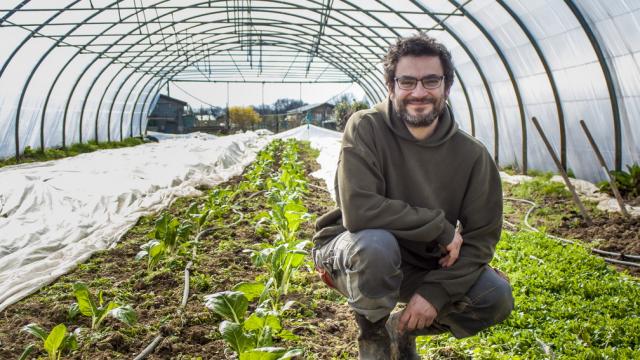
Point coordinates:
pixel 567 182
pixel 614 187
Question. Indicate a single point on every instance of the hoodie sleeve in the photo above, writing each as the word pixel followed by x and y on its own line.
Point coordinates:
pixel 361 188
pixel 481 219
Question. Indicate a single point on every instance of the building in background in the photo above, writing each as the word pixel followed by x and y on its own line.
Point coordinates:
pixel 316 114
pixel 171 115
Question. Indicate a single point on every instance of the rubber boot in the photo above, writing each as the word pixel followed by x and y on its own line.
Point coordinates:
pixel 403 346
pixel 373 339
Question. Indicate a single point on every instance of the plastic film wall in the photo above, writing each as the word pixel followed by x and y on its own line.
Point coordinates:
pixel 78 71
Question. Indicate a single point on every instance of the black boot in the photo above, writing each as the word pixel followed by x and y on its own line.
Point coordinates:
pixel 403 347
pixel 373 339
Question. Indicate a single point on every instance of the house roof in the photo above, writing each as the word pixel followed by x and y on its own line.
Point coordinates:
pixel 307 108
pixel 169 98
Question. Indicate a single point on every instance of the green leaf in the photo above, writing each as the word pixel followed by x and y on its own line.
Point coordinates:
pixel 251 290
pixel 254 322
pixel 126 314
pixel 35 330
pixel 287 335
pixel 103 312
pixel 54 340
pixel 235 336
pixel 231 305
pixel 263 353
pixel 85 303
pixel 297 257
pixel 27 351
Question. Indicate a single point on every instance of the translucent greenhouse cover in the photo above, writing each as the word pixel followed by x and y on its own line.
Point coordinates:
pixel 54 215
pixel 74 71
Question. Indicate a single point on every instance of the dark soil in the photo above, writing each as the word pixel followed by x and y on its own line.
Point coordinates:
pixel 320 318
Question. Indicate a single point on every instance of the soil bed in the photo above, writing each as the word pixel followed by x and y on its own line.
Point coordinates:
pixel 320 318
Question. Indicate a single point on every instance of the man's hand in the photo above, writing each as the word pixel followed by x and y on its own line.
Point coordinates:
pixel 452 250
pixel 418 314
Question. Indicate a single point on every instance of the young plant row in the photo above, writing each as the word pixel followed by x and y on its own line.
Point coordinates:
pixel 251 334
pixel 59 340
pixel 173 241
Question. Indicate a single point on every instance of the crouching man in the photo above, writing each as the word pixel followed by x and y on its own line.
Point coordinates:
pixel 406 176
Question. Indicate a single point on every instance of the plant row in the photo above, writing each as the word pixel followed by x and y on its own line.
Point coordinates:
pixel 278 176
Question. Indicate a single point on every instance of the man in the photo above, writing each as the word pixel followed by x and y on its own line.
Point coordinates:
pixel 406 176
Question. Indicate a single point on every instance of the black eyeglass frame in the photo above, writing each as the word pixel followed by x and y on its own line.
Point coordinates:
pixel 422 80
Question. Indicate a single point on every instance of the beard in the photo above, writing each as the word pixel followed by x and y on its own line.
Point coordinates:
pixel 419 120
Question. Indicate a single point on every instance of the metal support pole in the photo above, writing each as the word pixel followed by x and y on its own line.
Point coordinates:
pixel 596 150
pixel 228 113
pixel 567 182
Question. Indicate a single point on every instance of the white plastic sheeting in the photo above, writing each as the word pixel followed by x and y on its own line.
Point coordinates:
pixel 54 215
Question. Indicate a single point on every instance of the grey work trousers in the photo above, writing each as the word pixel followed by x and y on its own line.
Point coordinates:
pixel 366 267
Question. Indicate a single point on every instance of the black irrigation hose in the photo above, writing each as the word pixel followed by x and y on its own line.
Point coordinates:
pixel 185 294
pixel 602 253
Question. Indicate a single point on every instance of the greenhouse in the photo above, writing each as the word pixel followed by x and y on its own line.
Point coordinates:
pixel 133 225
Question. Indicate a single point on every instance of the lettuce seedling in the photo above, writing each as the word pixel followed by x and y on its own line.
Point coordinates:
pixel 99 311
pixel 55 342
pixel 168 234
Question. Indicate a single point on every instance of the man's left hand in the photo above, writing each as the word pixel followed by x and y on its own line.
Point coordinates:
pixel 452 250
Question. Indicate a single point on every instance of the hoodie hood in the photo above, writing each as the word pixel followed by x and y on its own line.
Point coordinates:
pixel 446 128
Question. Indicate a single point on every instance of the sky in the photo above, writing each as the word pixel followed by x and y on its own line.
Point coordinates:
pixel 245 94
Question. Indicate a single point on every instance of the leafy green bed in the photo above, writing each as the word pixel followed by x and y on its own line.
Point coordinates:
pixel 569 305
pixel 31 155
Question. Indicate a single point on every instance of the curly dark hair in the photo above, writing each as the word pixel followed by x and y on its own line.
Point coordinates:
pixel 419 44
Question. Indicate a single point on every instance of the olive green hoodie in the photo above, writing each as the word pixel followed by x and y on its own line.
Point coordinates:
pixel 418 190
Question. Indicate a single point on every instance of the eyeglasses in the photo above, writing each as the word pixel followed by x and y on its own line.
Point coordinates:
pixel 410 83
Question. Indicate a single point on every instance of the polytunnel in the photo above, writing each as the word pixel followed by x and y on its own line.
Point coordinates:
pixel 206 245
pixel 75 71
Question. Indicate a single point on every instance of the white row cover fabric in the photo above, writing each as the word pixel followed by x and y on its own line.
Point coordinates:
pixel 54 215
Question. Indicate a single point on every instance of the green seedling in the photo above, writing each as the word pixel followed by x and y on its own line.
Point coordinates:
pixel 167 236
pixel 54 343
pixel 98 311
pixel 250 337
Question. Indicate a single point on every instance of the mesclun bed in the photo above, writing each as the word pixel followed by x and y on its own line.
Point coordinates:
pixel 557 214
pixel 569 305
pixel 30 155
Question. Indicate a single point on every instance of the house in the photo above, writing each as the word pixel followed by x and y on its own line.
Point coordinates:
pixel 170 115
pixel 317 114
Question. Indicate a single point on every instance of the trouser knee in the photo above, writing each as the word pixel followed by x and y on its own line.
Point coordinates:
pixel 364 267
pixel 489 302
pixel 377 257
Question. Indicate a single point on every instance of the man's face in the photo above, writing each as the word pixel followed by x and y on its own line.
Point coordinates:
pixel 419 107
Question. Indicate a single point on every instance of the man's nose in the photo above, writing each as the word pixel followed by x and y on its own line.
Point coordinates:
pixel 419 90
